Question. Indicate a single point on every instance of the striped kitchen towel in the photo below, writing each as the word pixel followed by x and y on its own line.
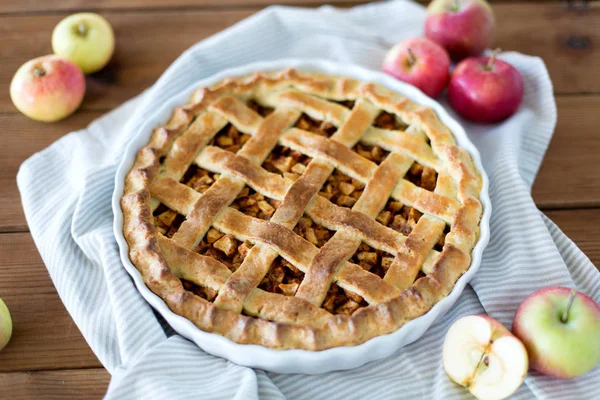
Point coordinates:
pixel 71 222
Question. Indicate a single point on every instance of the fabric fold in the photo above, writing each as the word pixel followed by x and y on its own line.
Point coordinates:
pixel 66 191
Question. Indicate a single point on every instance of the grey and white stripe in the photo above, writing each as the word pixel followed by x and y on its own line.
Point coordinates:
pixel 66 191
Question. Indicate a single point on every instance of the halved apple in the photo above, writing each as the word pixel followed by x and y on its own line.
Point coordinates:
pixel 484 357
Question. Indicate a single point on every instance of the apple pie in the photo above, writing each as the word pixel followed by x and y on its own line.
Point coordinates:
pixel 298 210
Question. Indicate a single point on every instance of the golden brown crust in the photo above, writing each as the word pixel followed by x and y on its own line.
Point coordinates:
pixel 286 322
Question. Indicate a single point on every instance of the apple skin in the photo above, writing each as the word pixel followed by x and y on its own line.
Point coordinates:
pixel 482 95
pixel 562 350
pixel 5 325
pixel 463 27
pixel 87 39
pixel 429 72
pixel 480 354
pixel 51 96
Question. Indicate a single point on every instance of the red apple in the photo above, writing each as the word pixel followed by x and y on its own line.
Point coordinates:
pixel 483 356
pixel 47 88
pixel 560 328
pixel 485 89
pixel 463 27
pixel 420 62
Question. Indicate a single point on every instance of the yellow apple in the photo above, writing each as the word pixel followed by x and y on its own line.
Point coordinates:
pixel 87 39
pixel 5 325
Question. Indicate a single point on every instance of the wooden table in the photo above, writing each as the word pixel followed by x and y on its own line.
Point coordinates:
pixel 48 357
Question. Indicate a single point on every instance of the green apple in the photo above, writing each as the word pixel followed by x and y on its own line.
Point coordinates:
pixel 87 39
pixel 481 355
pixel 560 328
pixel 5 325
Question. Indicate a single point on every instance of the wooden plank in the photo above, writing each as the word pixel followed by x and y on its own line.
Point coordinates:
pixel 148 41
pixel 564 38
pixel 583 228
pixel 23 6
pixel 46 338
pixel 569 175
pixel 25 137
pixel 55 385
pixel 44 335
pixel 16 6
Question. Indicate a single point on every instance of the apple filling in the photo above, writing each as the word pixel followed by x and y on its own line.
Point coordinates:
pixel 167 221
pixel 386 120
pixel 230 139
pixel 282 278
pixel 286 162
pixel 321 128
pixel 342 190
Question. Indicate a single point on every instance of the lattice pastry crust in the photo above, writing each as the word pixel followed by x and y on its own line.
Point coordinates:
pixel 279 210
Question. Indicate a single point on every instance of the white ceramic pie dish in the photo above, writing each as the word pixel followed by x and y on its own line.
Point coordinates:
pixel 299 361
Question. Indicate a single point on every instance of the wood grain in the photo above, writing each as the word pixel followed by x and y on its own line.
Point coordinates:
pixel 79 384
pixel 570 173
pixel 566 39
pixel 27 137
pixel 24 6
pixel 46 338
pixel 569 176
pixel 21 6
pixel 44 335
pixel 148 42
pixel 582 227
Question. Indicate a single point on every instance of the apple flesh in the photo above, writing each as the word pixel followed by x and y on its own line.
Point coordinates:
pixel 485 89
pixel 463 27
pixel 87 39
pixel 563 340
pixel 47 88
pixel 5 325
pixel 483 356
pixel 420 62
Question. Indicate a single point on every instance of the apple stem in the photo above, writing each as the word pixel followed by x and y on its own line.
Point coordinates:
pixel 456 5
pixel 38 72
pixel 490 63
pixel 411 57
pixel 82 29
pixel 565 316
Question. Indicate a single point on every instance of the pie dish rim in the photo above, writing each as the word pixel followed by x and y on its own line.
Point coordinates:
pixel 300 361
